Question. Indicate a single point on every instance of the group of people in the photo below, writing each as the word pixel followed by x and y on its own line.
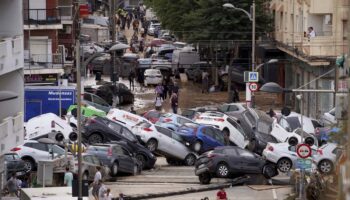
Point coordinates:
pixel 14 184
pixel 162 91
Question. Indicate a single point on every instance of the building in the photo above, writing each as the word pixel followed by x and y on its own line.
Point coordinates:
pixel 48 38
pixel 310 57
pixel 11 78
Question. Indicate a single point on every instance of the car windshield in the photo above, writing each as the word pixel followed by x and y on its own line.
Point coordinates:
pixel 293 122
pixel 264 127
pixel 58 150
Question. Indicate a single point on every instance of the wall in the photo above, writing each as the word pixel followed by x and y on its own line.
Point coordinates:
pixel 11 9
pixel 52 34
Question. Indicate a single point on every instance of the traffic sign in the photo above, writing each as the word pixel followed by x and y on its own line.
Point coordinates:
pixel 304 151
pixel 253 87
pixel 253 77
pixel 304 163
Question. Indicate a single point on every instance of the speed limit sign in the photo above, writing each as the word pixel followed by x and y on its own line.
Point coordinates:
pixel 304 151
pixel 253 87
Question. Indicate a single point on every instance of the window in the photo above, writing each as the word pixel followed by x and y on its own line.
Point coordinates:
pixel 233 108
pixel 245 153
pixel 224 108
pixel 176 137
pixel 115 127
pixel 125 152
pixel 231 152
pixel 208 132
pixel 264 127
pixel 99 101
pixel 249 118
pixel 118 150
pixel 285 124
pixel 87 97
pixel 219 136
pixel 292 148
pixel 95 160
pixel 126 133
pixel 181 120
pixel 237 126
pixel 40 146
pixel 164 131
pixel 294 122
pixel 9 157
pixel 58 150
pixel 28 145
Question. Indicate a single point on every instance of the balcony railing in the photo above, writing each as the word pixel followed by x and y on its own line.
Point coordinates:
pixel 11 132
pixel 55 60
pixel 42 16
pixel 11 54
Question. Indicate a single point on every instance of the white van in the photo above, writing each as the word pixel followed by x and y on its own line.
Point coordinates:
pixel 125 117
pixel 184 58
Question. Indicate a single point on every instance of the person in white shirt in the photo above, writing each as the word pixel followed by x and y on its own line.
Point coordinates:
pixel 97 183
pixel 312 33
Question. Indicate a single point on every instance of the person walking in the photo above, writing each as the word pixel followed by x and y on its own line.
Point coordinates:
pixel 174 102
pixel 96 183
pixel 12 186
pixel 165 90
pixel 102 191
pixel 132 79
pixel 68 178
pixel 108 195
pixel 158 102
pixel 205 83
pixel 159 90
pixel 170 87
pixel 128 21
pixel 221 194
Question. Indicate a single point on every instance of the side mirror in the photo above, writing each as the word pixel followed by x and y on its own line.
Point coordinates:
pixel 293 141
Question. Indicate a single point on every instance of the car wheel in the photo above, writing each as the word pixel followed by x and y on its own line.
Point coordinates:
pixel 190 159
pixel 95 138
pixel 284 165
pixel 28 165
pixel 86 176
pixel 325 166
pixel 197 146
pixel 114 169
pixel 269 171
pixel 152 145
pixel 222 170
pixel 141 158
pixel 204 178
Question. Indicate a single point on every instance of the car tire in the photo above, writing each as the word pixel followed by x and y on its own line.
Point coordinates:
pixel 204 178
pixel 152 145
pixel 269 171
pixel 85 176
pixel 197 146
pixel 325 166
pixel 284 165
pixel 190 159
pixel 142 159
pixel 114 169
pixel 95 138
pixel 222 170
pixel 29 164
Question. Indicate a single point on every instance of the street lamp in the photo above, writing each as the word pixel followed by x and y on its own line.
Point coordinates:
pixel 268 62
pixel 251 16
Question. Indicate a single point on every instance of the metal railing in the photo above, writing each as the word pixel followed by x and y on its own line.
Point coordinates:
pixel 54 60
pixel 42 16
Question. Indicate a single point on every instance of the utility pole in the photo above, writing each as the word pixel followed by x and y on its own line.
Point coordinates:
pixel 251 94
pixel 112 23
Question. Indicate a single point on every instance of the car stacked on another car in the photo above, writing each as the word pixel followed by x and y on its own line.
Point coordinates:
pixel 14 164
pixel 231 161
pixel 228 125
pixel 165 142
pixel 172 121
pixel 102 130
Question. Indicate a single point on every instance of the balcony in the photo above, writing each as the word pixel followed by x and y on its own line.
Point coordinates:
pixel 42 19
pixel 11 54
pixel 11 132
pixel 325 7
pixel 323 46
pixel 55 60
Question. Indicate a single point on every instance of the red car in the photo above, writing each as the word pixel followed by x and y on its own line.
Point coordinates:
pixel 152 115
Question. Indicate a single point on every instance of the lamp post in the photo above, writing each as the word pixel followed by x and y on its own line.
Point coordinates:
pixel 251 16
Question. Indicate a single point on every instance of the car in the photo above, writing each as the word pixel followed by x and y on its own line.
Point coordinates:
pixel 42 125
pixel 257 125
pixel 152 77
pixel 14 164
pixel 152 27
pixel 89 166
pixel 102 130
pixel 32 151
pixel 284 155
pixel 229 162
pixel 172 121
pixel 190 113
pixel 120 91
pixel 201 138
pixel 100 64
pixel 293 121
pixel 228 125
pixel 116 157
pixel 233 109
pixel 96 101
pixel 126 118
pixel 122 38
pixel 165 142
pixel 326 157
pixel 195 71
pixel 328 118
pixel 152 115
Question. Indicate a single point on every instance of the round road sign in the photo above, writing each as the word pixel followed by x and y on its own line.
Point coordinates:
pixel 253 87
pixel 304 151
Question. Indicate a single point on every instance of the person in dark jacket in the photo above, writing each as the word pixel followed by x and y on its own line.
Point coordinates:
pixel 132 79
pixel 205 84
pixel 165 90
pixel 174 102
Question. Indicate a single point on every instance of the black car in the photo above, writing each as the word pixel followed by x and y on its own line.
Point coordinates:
pixel 14 164
pixel 102 130
pixel 121 91
pixel 116 157
pixel 257 125
pixel 231 162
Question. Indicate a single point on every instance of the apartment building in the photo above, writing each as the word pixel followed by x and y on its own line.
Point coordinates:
pixel 11 78
pixel 310 56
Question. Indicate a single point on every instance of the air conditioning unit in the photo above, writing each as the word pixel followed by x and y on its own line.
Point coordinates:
pixel 68 29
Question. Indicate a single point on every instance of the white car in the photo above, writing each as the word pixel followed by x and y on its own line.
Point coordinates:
pixel 228 125
pixel 293 121
pixel 32 151
pixel 233 109
pixel 164 141
pixel 124 117
pixel 285 156
pixel 46 123
pixel 328 118
pixel 152 77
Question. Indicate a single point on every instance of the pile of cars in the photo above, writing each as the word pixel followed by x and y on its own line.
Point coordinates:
pixel 221 141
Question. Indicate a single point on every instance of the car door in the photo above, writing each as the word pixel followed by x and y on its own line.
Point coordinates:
pixel 179 148
pixel 208 137
pixel 118 150
pixel 128 160
pixel 163 135
pixel 237 134
pixel 233 159
pixel 88 164
pixel 40 151
pixel 249 162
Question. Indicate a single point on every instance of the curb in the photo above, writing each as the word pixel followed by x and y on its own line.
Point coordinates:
pixel 235 181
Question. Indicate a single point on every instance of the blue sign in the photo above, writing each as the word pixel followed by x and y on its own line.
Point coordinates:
pixel 253 77
pixel 304 163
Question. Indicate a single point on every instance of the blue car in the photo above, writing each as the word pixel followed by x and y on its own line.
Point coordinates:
pixel 172 121
pixel 201 138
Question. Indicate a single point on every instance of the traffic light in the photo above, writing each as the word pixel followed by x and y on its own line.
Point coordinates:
pixel 293 141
